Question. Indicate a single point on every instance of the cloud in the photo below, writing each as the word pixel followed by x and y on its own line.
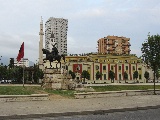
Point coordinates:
pixel 88 21
pixel 137 52
pixel 10 45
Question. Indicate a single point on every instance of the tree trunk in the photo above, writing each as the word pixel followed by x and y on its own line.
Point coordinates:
pixel 154 82
pixel 84 81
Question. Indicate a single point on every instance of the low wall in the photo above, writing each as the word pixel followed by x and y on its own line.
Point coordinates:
pixel 15 98
pixel 109 81
pixel 114 93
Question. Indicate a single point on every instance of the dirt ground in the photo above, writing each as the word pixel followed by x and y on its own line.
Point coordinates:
pixel 55 96
pixel 51 96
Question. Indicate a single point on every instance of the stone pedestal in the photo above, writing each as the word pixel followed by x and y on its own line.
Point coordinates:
pixel 56 79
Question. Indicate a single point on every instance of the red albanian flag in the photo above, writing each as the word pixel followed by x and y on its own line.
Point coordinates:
pixel 21 52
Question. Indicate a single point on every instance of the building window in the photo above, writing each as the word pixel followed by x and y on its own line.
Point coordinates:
pixel 140 76
pixel 78 67
pixel 63 67
pixel 126 67
pixel 139 68
pixel 66 67
pixel 119 67
pixel 133 67
pixel 104 76
pixel 97 67
pixel 111 67
pixel 96 60
pixel 119 76
pixel 104 67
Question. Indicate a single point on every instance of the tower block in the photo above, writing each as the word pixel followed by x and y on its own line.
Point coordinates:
pixel 41 33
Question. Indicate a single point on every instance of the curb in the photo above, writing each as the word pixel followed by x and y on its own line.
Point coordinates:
pixel 18 98
pixel 96 112
pixel 114 93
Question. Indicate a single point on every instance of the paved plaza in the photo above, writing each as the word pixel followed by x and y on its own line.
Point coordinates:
pixel 59 107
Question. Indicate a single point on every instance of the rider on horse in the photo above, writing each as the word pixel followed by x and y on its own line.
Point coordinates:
pixel 54 50
pixel 53 55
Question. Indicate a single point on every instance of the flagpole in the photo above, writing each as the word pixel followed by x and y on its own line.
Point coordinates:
pixel 20 56
pixel 23 71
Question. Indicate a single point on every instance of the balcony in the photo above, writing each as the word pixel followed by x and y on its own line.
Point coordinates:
pixel 110 43
pixel 123 47
pixel 127 44
pixel 127 50
pixel 110 49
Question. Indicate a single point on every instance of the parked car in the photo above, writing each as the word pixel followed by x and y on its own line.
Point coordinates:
pixel 14 82
pixel 9 81
pixel 3 81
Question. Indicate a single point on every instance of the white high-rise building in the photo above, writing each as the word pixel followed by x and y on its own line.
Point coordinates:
pixel 23 61
pixel 56 32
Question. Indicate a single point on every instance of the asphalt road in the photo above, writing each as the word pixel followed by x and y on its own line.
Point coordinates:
pixel 150 114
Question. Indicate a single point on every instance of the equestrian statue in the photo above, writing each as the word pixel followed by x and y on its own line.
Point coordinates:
pixel 53 56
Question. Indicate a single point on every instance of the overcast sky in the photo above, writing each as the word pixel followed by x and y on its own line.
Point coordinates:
pixel 88 21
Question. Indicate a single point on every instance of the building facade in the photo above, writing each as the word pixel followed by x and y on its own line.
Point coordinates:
pixel 23 61
pixel 103 63
pixel 114 45
pixel 56 32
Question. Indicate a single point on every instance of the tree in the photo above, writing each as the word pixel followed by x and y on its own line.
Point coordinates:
pixel 146 75
pixel 3 72
pixel 72 74
pixel 9 74
pixel 135 75
pixel 151 53
pixel 98 75
pixel 125 76
pixel 38 74
pixel 111 75
pixel 11 64
pixel 157 75
pixel 18 74
pixel 85 75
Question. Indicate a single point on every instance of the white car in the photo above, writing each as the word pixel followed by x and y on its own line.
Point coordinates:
pixel 9 81
pixel 2 81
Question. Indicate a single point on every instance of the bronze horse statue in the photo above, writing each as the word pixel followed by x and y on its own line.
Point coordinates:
pixel 53 57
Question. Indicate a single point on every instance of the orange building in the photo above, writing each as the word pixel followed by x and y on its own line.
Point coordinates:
pixel 114 45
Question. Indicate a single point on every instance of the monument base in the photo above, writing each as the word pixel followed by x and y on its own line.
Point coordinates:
pixel 57 79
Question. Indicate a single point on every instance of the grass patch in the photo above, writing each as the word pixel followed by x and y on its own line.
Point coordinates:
pixel 28 90
pixel 123 87
pixel 65 93
pixel 19 90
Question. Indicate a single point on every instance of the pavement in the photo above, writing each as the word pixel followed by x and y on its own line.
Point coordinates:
pixel 67 107
pixel 121 84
